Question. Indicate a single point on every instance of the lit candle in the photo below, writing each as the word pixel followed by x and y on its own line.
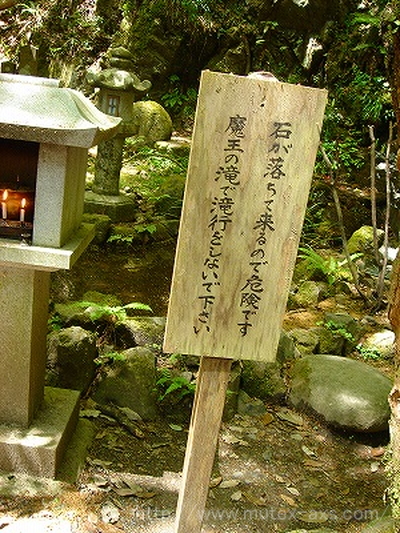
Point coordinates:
pixel 4 205
pixel 22 211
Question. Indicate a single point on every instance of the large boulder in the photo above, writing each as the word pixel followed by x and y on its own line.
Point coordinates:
pixel 348 394
pixel 378 344
pixel 71 354
pixel 362 240
pixel 140 331
pixel 305 340
pixel 263 380
pixel 131 382
pixel 151 121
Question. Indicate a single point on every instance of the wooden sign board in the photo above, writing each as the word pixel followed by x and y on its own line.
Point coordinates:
pixel 253 152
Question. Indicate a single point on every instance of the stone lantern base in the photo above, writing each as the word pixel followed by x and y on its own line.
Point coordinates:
pixel 119 208
pixel 38 449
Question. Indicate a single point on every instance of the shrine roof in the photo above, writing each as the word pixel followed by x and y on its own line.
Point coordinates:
pixel 39 110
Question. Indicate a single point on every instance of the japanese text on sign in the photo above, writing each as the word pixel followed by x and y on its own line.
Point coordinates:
pixel 254 285
pixel 221 214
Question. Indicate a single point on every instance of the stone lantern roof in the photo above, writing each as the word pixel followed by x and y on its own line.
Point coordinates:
pixel 119 75
pixel 37 109
pixel 114 78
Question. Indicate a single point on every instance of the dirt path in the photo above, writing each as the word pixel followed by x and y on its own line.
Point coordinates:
pixel 274 473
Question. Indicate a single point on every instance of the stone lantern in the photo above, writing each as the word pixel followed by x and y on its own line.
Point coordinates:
pixel 118 89
pixel 45 134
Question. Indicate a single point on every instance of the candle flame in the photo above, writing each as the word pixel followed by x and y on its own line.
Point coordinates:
pixel 5 194
pixel 23 203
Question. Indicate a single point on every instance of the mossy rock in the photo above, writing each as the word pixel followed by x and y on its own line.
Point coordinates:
pixel 262 380
pixel 168 197
pixel 362 240
pixel 151 121
pixel 346 393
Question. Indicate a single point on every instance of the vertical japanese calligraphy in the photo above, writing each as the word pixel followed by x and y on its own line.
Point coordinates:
pixel 254 285
pixel 221 215
pixel 251 162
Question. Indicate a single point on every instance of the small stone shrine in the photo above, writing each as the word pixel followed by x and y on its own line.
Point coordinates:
pixel 45 133
pixel 118 88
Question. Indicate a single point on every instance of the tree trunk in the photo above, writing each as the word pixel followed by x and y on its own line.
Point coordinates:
pixel 394 398
pixel 394 307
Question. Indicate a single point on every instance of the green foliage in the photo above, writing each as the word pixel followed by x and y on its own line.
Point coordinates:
pixel 341 141
pixel 151 166
pixel 97 311
pixel 367 96
pixel 176 384
pixel 338 329
pixel 55 323
pixel 109 357
pixel 149 171
pixel 368 352
pixel 329 268
pixel 178 101
pixel 314 215
pixel 120 238
pixel 62 27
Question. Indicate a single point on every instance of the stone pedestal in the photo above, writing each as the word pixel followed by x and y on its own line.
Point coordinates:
pixel 108 166
pixel 38 450
pixel 105 197
pixel 24 299
pixel 118 208
pixel 36 422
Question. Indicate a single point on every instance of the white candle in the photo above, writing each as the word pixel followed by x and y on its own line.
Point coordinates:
pixel 22 211
pixel 4 205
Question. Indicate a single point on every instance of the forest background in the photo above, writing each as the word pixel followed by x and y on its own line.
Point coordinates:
pixel 350 47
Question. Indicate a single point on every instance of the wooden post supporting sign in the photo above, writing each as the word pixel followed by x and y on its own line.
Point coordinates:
pixel 253 151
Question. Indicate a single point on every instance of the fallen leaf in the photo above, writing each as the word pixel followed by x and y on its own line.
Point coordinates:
pixel 132 415
pixel 311 463
pixel 236 496
pixel 374 466
pixel 230 439
pixel 378 452
pixel 146 495
pixel 279 479
pixel 176 427
pixel 215 482
pixel 159 445
pixel 89 413
pixel 254 499
pixel 99 462
pixel 109 513
pixel 308 452
pixel 293 491
pixel 121 491
pixel 125 487
pixel 100 481
pixel 267 419
pixel 290 417
pixel 287 499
